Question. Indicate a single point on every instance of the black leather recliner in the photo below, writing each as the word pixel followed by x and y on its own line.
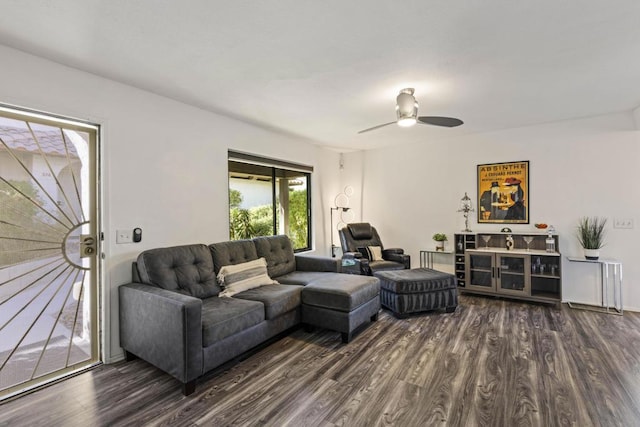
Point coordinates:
pixel 356 238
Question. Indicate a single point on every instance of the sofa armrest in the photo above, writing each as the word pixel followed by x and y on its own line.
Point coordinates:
pixel 317 263
pixel 162 327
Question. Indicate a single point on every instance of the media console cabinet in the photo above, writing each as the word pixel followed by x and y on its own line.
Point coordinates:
pixel 483 265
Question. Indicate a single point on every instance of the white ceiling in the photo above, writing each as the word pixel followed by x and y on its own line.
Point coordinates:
pixel 325 69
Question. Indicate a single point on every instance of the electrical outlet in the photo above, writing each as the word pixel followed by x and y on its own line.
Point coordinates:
pixel 124 236
pixel 623 223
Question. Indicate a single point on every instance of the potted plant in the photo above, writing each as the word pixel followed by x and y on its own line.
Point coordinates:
pixel 440 238
pixel 591 235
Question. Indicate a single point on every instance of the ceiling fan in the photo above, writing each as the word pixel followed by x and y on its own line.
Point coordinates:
pixel 407 112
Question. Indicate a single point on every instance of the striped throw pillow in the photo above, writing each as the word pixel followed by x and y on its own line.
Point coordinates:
pixel 375 253
pixel 241 277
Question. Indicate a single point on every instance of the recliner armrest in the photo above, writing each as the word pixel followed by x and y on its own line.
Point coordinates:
pixel 398 257
pixel 162 327
pixel 317 263
pixel 352 255
pixel 392 251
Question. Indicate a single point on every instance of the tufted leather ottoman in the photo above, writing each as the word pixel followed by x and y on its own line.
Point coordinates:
pixel 417 290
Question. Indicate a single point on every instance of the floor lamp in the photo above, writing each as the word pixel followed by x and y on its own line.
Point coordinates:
pixel 334 247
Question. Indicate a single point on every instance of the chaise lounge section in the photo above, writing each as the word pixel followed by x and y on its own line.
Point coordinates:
pixel 172 314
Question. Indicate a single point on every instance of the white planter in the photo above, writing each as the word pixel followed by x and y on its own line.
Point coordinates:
pixel 439 246
pixel 591 254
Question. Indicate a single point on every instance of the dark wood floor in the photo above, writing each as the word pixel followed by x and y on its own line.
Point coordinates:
pixel 491 363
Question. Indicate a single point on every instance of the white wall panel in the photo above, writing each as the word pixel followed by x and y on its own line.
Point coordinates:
pixel 577 168
pixel 165 163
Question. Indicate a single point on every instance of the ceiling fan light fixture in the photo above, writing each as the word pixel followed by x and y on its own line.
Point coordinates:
pixel 406 122
pixel 407 114
pixel 406 108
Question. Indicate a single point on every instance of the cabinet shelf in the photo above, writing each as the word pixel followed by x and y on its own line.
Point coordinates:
pixel 545 276
pixel 532 252
pixel 463 242
pixel 552 297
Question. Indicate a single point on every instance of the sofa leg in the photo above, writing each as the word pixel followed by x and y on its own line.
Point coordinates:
pixel 450 309
pixel 189 387
pixel 308 328
pixel 128 357
pixel 374 318
pixel 346 337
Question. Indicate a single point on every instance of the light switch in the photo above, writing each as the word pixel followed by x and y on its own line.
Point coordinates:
pixel 623 223
pixel 124 236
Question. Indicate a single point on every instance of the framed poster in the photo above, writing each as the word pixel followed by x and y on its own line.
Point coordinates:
pixel 503 193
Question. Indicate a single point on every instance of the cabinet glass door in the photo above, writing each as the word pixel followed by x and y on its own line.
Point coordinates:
pixel 480 271
pixel 511 277
pixel 545 277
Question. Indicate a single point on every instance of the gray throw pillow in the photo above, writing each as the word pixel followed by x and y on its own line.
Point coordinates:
pixel 244 276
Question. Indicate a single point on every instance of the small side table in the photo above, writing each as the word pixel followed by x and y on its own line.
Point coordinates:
pixel 351 266
pixel 426 257
pixel 610 272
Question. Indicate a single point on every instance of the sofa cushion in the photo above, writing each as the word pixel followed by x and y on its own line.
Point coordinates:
pixel 341 292
pixel 223 317
pixel 233 252
pixel 278 252
pixel 277 299
pixel 244 276
pixel 302 278
pixel 186 269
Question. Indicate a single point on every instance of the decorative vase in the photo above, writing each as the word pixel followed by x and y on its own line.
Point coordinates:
pixel 439 246
pixel 508 241
pixel 591 254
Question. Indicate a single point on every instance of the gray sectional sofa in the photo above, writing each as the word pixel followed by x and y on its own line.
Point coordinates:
pixel 172 316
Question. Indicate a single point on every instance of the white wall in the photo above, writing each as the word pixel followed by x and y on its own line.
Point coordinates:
pixel 165 163
pixel 636 117
pixel 577 168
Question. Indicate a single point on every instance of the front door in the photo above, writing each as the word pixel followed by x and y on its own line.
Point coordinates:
pixel 48 246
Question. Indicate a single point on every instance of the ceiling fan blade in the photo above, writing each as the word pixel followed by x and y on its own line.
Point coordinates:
pixel 449 122
pixel 376 127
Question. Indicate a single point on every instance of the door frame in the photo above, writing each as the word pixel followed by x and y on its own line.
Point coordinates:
pixel 99 343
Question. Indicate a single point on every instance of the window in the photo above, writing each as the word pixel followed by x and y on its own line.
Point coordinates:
pixel 268 197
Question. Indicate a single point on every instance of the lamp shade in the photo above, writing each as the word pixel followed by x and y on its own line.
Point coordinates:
pixel 465 204
pixel 406 108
